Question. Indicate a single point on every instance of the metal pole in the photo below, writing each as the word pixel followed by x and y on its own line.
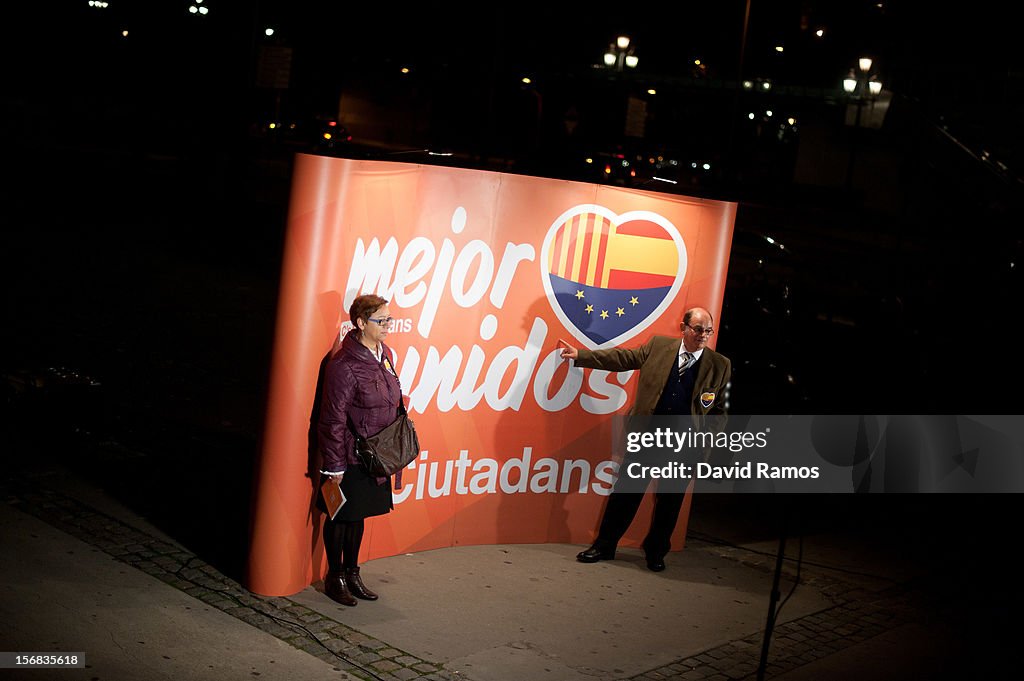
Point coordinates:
pixel 774 598
pixel 853 144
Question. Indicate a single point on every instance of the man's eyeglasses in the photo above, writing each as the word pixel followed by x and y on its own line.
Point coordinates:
pixel 700 330
pixel 383 321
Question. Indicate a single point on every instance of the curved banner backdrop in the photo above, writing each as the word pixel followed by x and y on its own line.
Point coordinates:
pixel 484 272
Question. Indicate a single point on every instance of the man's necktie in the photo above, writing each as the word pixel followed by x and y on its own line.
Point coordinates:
pixel 687 361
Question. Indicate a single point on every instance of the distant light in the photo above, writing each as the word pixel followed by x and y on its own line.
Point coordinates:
pixel 767 85
pixel 526 80
pixel 622 41
pixel 748 85
pixel 268 32
pixel 652 91
pixel 791 120
pixel 696 62
pixel 272 126
pixel 662 179
pixel 124 34
pixel 864 63
pixel 99 4
pixel 706 166
pixel 405 69
pixel 780 48
pixel 331 124
pixel 820 32
pixel 439 153
pixel 607 170
pixel 849 85
pixel 327 135
pixel 609 59
pixel 769 239
pixel 589 160
pixel 204 10
pixel 693 165
pixel 632 60
pixel 750 115
pixel 875 87
pixel 768 113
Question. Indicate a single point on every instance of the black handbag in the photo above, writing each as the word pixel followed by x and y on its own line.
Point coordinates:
pixel 390 450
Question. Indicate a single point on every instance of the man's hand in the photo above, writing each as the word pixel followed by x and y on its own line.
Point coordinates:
pixel 568 351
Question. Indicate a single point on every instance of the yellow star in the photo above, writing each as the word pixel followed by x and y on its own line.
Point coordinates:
pixel 620 312
pixel 633 301
pixel 604 314
pixel 589 308
pixel 579 294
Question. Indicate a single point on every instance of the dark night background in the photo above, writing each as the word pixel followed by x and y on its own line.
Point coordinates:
pixel 145 201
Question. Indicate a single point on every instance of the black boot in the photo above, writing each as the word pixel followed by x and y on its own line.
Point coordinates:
pixel 336 588
pixel 355 584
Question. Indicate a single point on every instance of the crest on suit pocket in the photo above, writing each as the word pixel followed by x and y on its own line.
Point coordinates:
pixel 707 398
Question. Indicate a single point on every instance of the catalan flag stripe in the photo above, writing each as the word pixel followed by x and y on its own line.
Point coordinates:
pixel 594 250
pixel 579 238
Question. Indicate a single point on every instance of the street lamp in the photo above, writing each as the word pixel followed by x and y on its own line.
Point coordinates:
pixel 620 54
pixel 861 86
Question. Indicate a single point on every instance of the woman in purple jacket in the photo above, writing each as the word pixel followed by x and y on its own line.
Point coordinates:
pixel 361 392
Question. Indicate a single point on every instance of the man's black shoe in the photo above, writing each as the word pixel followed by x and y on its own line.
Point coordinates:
pixel 655 564
pixel 594 554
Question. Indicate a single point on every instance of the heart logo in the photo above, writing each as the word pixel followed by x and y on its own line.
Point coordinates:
pixel 608 276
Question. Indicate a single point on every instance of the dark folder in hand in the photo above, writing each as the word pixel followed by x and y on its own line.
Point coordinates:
pixel 334 498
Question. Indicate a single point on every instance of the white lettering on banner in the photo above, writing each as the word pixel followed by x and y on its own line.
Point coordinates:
pixel 413 265
pixel 438 379
pixel 400 278
pixel 370 261
pixel 616 396
pixel 462 378
pixel 465 476
pixel 484 273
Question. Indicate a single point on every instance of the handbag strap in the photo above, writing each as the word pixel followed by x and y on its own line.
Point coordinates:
pixel 352 427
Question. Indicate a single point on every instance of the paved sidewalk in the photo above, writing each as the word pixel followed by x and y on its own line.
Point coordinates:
pixel 141 606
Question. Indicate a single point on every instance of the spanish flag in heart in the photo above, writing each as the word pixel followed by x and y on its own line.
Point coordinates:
pixel 608 276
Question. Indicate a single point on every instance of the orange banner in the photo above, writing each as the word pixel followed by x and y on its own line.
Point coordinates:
pixel 484 273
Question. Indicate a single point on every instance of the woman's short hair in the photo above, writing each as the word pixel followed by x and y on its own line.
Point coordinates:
pixel 364 306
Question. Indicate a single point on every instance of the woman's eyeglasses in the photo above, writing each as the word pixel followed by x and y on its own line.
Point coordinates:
pixel 383 321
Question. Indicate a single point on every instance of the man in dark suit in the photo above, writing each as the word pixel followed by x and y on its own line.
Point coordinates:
pixel 677 376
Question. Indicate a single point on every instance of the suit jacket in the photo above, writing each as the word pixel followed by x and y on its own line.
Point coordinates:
pixel 655 359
